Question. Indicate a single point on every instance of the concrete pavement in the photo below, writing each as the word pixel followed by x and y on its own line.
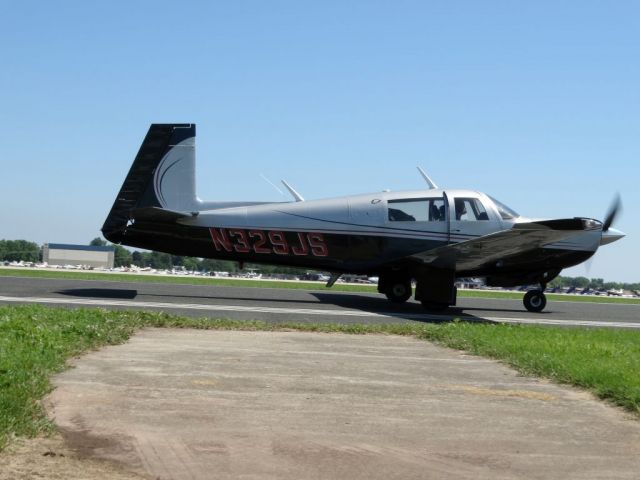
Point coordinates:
pixel 185 404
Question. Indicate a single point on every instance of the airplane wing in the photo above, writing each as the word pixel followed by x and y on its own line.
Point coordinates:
pixel 491 248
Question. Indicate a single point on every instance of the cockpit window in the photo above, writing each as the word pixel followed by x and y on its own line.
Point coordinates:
pixel 470 209
pixel 417 210
pixel 505 212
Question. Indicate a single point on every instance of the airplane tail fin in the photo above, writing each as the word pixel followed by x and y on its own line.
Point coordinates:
pixel 162 176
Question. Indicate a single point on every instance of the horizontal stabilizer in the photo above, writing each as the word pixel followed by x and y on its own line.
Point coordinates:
pixel 156 214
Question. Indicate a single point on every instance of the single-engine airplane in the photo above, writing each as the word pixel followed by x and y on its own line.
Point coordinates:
pixel 431 236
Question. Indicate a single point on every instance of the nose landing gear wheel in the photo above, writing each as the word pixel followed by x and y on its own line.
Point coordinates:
pixel 399 292
pixel 535 300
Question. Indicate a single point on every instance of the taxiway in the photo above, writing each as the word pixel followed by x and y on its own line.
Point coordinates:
pixel 284 305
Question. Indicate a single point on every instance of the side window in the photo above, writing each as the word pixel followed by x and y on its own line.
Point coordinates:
pixel 470 209
pixel 436 210
pixel 417 210
pixel 408 210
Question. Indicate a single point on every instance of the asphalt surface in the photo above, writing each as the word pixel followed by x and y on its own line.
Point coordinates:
pixel 185 404
pixel 284 305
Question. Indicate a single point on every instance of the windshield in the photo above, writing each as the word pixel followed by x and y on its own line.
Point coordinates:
pixel 505 212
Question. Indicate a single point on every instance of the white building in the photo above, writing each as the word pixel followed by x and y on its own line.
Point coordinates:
pixel 63 254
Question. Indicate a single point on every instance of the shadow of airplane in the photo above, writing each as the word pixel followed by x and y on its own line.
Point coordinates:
pixel 100 293
pixel 349 300
pixel 364 303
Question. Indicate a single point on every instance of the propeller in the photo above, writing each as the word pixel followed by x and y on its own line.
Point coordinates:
pixel 614 210
pixel 588 264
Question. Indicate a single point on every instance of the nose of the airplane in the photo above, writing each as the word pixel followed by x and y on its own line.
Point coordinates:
pixel 611 236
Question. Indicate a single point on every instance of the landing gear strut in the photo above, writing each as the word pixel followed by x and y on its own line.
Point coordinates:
pixel 535 300
pixel 435 289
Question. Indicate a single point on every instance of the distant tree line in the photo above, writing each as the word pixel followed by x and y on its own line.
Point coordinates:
pixel 593 283
pixel 22 250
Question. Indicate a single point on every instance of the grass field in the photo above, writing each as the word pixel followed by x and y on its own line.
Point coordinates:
pixel 36 342
pixel 238 282
pixel 174 279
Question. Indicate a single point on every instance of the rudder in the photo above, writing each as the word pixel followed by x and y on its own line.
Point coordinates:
pixel 162 176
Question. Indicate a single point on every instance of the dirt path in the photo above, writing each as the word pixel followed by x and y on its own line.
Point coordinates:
pixel 50 458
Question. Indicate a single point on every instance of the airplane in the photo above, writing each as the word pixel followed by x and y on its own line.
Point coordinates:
pixel 431 237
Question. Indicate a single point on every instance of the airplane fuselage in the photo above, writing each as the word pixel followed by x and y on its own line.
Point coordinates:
pixel 354 234
pixel 428 236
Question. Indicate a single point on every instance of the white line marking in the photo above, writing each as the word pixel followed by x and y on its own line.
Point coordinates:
pixel 149 277
pixel 308 311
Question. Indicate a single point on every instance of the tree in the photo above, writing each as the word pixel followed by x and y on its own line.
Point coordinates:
pixel 137 259
pixel 121 257
pixel 190 264
pixel 596 283
pixel 98 242
pixel 212 265
pixel 580 282
pixel 19 250
pixel 558 282
pixel 160 261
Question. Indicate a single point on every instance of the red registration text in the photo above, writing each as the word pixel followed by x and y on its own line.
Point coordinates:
pixel 269 242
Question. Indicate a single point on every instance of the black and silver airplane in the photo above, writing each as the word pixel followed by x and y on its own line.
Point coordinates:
pixel 431 236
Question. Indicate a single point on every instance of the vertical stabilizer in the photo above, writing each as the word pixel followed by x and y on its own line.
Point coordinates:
pixel 162 175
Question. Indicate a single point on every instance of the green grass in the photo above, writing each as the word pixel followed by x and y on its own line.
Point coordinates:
pixel 36 341
pixel 237 282
pixel 173 279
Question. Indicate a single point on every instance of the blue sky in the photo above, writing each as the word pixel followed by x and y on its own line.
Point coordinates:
pixel 535 103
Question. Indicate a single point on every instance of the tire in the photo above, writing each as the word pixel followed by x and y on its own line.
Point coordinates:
pixel 535 301
pixel 399 291
pixel 434 306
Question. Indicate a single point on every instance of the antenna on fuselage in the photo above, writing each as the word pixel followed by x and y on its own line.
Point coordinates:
pixel 272 184
pixel 296 195
pixel 430 182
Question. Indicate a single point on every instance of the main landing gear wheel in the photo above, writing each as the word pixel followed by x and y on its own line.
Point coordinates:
pixel 399 292
pixel 535 300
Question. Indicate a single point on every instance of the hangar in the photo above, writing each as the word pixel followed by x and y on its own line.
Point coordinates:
pixel 65 254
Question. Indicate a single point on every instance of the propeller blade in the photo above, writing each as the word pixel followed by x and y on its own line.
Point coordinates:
pixel 614 210
pixel 588 264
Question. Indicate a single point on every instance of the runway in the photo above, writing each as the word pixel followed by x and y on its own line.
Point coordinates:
pixel 282 305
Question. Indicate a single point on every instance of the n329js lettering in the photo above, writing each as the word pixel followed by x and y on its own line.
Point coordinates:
pixel 268 242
